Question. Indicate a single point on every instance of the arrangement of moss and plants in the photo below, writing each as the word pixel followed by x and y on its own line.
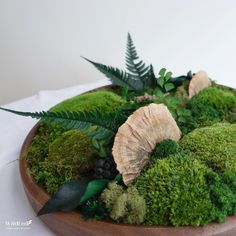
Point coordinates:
pixel 152 149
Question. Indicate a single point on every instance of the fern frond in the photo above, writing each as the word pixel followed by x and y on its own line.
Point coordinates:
pixel 138 69
pixel 118 77
pixel 103 125
pixel 151 81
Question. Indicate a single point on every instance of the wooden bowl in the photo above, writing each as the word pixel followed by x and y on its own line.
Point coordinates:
pixel 72 223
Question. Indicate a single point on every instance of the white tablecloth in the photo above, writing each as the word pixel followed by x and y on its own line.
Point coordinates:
pixel 15 211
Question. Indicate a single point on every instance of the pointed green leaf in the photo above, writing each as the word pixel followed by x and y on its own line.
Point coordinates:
pixel 159 93
pixel 160 82
pixel 94 187
pixel 168 76
pixel 169 86
pixel 118 178
pixel 162 72
pixel 66 198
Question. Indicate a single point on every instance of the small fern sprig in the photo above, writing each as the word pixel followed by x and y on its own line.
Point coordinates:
pixel 118 77
pixel 135 67
pixel 101 126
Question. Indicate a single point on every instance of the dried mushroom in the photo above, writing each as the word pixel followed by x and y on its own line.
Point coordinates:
pixel 199 82
pixel 138 136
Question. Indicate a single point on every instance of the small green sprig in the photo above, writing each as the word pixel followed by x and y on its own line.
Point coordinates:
pixel 164 84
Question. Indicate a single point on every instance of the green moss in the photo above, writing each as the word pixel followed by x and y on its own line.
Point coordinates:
pixel 94 209
pixel 38 150
pixel 100 100
pixel 125 206
pixel 175 191
pixel 164 149
pixel 46 173
pixel 220 101
pixel 222 188
pixel 214 145
pixel 71 154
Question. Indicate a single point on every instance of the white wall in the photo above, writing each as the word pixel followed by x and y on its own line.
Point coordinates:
pixel 41 41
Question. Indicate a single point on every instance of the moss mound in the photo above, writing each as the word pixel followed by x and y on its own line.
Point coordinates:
pixel 99 100
pixel 175 191
pixel 51 176
pixel 38 150
pixel 67 157
pixel 164 149
pixel 212 103
pixel 214 145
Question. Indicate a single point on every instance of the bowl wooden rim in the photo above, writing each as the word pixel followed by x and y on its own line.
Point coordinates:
pixel 72 223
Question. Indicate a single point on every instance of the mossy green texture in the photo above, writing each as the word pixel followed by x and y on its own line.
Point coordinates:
pixel 214 145
pixel 67 157
pixel 99 100
pixel 45 172
pixel 38 149
pixel 164 149
pixel 126 206
pixel 175 191
pixel 72 153
pixel 220 101
pixel 222 188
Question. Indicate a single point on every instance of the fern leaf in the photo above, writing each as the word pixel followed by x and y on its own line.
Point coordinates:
pixel 138 69
pixel 151 81
pixel 99 125
pixel 118 77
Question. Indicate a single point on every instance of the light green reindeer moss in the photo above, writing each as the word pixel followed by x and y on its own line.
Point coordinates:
pixel 175 191
pixel 215 146
pixel 126 206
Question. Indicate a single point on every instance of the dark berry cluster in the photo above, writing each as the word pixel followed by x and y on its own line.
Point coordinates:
pixel 105 168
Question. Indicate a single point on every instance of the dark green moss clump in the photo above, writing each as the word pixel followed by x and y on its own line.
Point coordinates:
pixel 164 149
pixel 222 188
pixel 175 191
pixel 126 206
pixel 215 146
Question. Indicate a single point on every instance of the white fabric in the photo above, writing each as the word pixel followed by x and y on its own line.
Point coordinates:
pixel 14 207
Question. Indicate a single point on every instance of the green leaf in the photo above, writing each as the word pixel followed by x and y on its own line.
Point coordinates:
pixel 66 198
pixel 159 93
pixel 118 178
pixel 94 187
pixel 160 82
pixel 118 77
pixel 95 143
pixel 162 72
pixel 168 76
pixel 169 86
